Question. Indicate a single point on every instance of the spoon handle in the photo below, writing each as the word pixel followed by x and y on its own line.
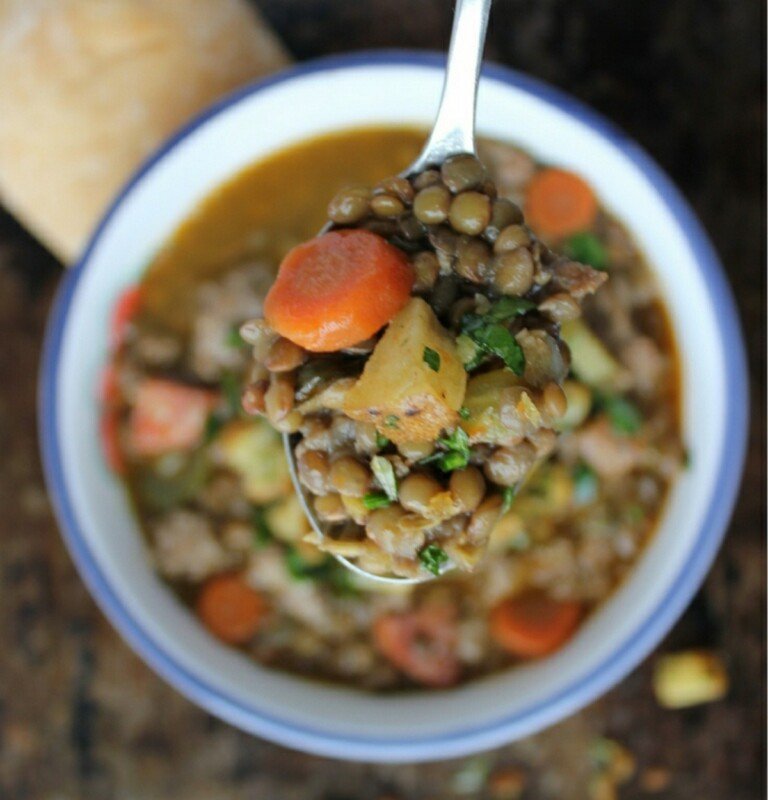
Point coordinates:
pixel 454 128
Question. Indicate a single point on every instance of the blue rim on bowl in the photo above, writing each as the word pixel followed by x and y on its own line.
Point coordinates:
pixel 464 739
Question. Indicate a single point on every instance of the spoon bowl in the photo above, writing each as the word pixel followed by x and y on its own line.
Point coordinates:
pixel 453 133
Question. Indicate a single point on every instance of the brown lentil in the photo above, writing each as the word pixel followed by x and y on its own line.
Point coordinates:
pixel 330 508
pixel 472 259
pixel 426 268
pixel 462 172
pixel 253 397
pixel 284 356
pixel 513 271
pixel 427 178
pixel 467 487
pixel 349 206
pixel 503 213
pixel 417 490
pixel 387 205
pixel 512 237
pixel 278 400
pixel 313 469
pixel 560 307
pixel 397 186
pixel 508 466
pixel 432 204
pixel 349 477
pixel 470 213
pixel 554 402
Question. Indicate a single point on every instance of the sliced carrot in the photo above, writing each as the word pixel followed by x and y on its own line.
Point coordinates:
pixel 109 431
pixel 109 389
pixel 338 289
pixel 533 624
pixel 559 203
pixel 422 644
pixel 168 416
pixel 125 309
pixel 230 609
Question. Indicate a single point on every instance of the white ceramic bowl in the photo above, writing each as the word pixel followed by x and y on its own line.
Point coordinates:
pixel 97 522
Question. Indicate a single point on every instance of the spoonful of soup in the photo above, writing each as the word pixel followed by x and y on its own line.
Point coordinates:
pixel 411 353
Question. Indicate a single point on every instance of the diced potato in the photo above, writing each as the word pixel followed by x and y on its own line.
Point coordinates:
pixel 399 392
pixel 483 402
pixel 286 519
pixel 590 359
pixel 689 678
pixel 254 450
pixel 579 399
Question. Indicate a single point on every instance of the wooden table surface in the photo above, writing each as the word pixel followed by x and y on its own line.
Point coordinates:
pixel 82 717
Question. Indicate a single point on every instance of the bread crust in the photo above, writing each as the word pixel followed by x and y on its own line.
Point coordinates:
pixel 89 89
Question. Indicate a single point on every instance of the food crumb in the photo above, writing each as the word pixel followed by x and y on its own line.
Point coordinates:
pixel 507 783
pixel 689 678
pixel 655 779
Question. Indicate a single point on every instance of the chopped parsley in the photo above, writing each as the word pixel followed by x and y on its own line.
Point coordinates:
pixel 586 248
pixel 495 339
pixel 432 359
pixel 384 473
pixel 507 308
pixel 508 495
pixel 433 558
pixel 457 456
pixel 381 441
pixel 464 412
pixel 391 420
pixel 213 426
pixel 624 415
pixel 328 571
pixel 262 535
pixel 230 388
pixel 233 338
pixel 585 483
pixel 374 500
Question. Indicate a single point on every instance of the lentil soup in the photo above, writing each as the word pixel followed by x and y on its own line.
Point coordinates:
pixel 210 484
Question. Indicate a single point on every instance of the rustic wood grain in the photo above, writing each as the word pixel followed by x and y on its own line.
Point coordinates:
pixel 82 717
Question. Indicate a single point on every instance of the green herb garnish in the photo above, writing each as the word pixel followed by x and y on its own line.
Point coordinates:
pixel 213 426
pixel 586 248
pixel 464 412
pixel 432 359
pixel 585 483
pixel 493 338
pixel 231 389
pixel 381 441
pixel 433 557
pixel 508 307
pixel 374 500
pixel 624 415
pixel 457 455
pixel 384 473
pixel 391 420
pixel 508 495
pixel 262 535
pixel 233 338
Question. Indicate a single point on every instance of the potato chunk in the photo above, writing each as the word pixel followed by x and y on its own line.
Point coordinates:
pixel 400 392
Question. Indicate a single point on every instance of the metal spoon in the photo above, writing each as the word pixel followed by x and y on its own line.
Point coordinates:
pixel 452 133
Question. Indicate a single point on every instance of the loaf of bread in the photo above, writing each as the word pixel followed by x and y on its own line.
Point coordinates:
pixel 88 88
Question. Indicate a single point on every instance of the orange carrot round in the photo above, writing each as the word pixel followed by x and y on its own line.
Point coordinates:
pixel 559 203
pixel 126 307
pixel 420 643
pixel 533 624
pixel 230 609
pixel 338 289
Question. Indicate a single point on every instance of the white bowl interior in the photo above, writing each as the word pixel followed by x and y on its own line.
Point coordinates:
pixel 301 713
